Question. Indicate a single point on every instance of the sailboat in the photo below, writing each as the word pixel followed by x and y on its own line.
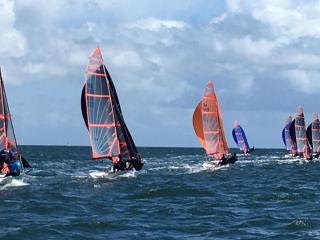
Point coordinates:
pixel 109 135
pixel 7 135
pixel 208 126
pixel 298 130
pixel 313 135
pixel 240 138
pixel 288 139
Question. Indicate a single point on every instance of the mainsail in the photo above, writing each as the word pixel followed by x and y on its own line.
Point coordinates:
pixel 109 135
pixel 240 138
pixel 7 135
pixel 301 136
pixel 207 123
pixel 289 140
pixel 313 134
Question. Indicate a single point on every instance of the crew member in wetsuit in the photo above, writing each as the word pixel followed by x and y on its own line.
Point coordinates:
pixel 4 161
pixel 10 163
pixel 15 166
pixel 118 164
pixel 5 156
pixel 125 165
pixel 230 160
pixel 136 162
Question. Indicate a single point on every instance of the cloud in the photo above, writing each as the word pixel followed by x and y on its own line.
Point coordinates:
pixel 155 25
pixel 303 81
pixel 12 42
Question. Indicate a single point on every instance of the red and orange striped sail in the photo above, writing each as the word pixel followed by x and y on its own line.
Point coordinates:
pixel 109 135
pixel 7 136
pixel 301 136
pixel 207 123
pixel 98 109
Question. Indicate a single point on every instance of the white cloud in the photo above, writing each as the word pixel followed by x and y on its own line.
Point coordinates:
pixel 251 48
pixel 12 42
pixel 155 25
pixel 302 81
pixel 127 59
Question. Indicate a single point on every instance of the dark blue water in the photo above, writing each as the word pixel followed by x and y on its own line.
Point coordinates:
pixel 176 196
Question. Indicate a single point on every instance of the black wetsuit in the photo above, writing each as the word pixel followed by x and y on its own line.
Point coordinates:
pixel 119 166
pixel 133 163
pixel 137 164
pixel 230 160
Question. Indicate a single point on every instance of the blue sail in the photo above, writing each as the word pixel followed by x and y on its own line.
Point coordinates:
pixel 240 138
pixel 289 136
pixel 284 136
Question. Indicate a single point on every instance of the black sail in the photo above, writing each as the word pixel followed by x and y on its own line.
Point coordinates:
pixel 124 129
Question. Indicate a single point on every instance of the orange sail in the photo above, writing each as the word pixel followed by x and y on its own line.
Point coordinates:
pixel 207 123
pixel 197 124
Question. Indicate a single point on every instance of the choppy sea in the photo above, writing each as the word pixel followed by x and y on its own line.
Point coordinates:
pixel 177 195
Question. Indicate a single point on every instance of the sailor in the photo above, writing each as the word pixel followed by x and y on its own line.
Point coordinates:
pixel 10 163
pixel 118 163
pixel 4 161
pixel 15 167
pixel 225 161
pixel 136 162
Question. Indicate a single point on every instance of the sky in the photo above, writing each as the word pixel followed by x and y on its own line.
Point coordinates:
pixel 262 56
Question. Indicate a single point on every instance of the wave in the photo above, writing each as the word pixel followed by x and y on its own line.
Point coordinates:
pixel 9 182
pixel 95 174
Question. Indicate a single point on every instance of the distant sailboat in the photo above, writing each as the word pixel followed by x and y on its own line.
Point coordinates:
pixel 109 135
pixel 7 135
pixel 288 139
pixel 240 138
pixel 313 135
pixel 298 129
pixel 208 126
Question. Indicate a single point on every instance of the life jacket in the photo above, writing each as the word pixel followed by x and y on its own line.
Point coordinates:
pixel 115 160
pixel 15 168
pixel 5 168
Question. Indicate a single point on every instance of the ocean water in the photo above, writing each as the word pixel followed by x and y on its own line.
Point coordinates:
pixel 178 195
